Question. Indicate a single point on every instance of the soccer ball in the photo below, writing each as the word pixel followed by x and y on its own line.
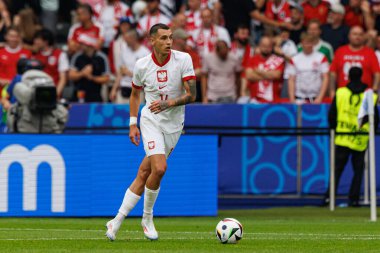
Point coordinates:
pixel 229 230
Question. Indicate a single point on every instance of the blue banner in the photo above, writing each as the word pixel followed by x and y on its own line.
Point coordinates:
pixel 87 175
pixel 248 165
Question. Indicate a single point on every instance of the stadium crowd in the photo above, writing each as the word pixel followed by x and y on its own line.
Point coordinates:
pixel 244 51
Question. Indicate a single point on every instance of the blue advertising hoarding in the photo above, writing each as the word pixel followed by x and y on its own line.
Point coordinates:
pixel 250 165
pixel 87 175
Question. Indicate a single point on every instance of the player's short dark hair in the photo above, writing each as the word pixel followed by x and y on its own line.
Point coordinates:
pixel 355 74
pixel 86 7
pixel 154 29
pixel 45 35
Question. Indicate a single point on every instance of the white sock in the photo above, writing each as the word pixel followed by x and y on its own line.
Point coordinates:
pixel 129 202
pixel 150 197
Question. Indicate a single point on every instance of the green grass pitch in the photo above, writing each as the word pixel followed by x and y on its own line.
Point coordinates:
pixel 287 230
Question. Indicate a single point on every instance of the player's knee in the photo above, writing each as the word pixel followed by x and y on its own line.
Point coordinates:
pixel 160 169
pixel 143 174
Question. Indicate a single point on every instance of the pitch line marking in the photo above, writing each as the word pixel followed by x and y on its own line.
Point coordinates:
pixel 193 232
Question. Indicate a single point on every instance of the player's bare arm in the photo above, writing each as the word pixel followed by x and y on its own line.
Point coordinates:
pixel 134 103
pixel 189 97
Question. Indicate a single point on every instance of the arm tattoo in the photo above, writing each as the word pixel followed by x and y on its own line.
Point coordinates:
pixel 164 105
pixel 191 94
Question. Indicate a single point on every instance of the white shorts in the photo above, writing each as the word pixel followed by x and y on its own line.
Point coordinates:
pixel 155 140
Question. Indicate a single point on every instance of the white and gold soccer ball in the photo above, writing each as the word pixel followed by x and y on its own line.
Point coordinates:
pixel 229 230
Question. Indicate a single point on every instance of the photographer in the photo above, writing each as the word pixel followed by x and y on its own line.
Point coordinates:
pixel 36 109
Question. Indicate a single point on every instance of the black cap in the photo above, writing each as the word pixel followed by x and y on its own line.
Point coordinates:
pixel 24 65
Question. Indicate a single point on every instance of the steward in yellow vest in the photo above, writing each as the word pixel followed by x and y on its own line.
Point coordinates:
pixel 343 117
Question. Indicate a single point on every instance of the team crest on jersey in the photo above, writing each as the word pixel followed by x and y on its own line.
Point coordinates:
pixel 162 76
pixel 151 145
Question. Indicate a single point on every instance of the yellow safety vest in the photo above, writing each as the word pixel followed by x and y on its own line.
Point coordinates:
pixel 348 106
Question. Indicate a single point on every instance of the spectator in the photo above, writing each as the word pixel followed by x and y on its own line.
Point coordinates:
pixel 87 26
pixel 55 62
pixel 238 12
pixel 139 9
pixel 335 32
pixel 10 54
pixel 308 74
pixel 168 7
pixel 378 48
pixel 95 4
pixel 376 12
pixel 178 22
pixel 297 21
pixel 241 46
pixel 358 13
pixel 89 70
pixel 15 6
pixel 109 16
pixel 354 54
pixel 264 73
pixel 278 10
pixel 315 9
pixel 284 46
pixel 193 15
pixel 208 34
pixel 5 21
pixel 27 23
pixel 131 51
pixel 314 30
pixel 49 14
pixel 180 38
pixel 114 53
pixel 154 16
pixel 343 117
pixel 220 73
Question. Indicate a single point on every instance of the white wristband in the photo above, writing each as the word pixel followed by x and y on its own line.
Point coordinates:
pixel 132 121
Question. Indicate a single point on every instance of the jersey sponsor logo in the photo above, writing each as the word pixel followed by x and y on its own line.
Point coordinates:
pixel 30 160
pixel 161 87
pixel 162 76
pixel 151 145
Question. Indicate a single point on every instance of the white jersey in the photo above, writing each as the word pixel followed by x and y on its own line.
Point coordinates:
pixel 308 70
pixel 129 59
pixel 163 82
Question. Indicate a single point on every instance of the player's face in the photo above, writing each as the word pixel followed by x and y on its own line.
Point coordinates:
pixel 163 40
pixel 356 36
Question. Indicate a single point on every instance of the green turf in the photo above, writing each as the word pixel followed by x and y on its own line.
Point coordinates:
pixel 267 230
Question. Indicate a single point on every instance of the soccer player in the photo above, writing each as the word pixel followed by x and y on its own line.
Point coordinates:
pixel 168 79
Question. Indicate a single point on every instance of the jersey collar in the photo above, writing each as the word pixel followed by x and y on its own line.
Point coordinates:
pixel 164 63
